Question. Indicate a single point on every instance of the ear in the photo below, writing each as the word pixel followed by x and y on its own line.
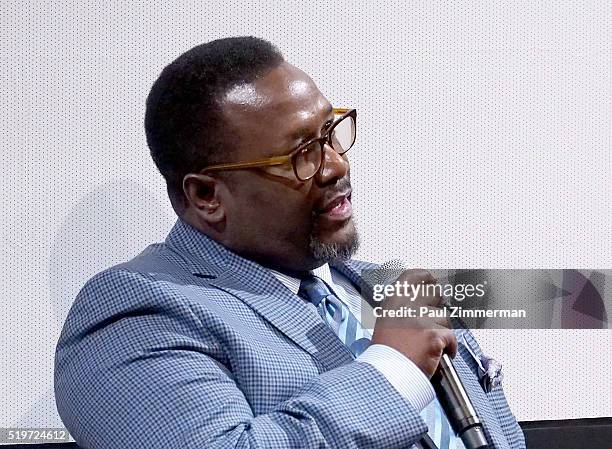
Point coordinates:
pixel 204 197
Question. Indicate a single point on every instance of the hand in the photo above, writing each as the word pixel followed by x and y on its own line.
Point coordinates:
pixel 422 339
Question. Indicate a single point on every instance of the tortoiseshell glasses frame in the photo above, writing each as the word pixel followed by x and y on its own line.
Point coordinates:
pixel 307 158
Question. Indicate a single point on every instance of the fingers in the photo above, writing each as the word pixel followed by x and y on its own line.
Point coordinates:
pixel 442 341
pixel 451 343
pixel 417 276
pixel 422 331
pixel 430 300
pixel 421 287
pixel 419 300
pixel 435 316
pixel 418 291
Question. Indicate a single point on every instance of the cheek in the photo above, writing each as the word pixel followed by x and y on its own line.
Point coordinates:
pixel 275 209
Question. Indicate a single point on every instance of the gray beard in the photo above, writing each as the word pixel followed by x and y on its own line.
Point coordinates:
pixel 334 252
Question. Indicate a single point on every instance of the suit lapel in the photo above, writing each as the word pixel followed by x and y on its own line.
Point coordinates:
pixel 466 369
pixel 288 313
pixel 259 289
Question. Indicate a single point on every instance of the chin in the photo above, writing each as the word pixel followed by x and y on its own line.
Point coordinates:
pixel 338 245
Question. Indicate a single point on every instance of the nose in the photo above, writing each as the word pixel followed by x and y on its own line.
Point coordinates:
pixel 333 168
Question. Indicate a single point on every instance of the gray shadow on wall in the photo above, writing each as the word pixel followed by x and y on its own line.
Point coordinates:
pixel 107 226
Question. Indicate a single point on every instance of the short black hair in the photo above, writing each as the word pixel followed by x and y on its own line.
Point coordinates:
pixel 183 121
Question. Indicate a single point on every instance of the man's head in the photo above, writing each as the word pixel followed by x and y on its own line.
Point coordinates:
pixel 237 100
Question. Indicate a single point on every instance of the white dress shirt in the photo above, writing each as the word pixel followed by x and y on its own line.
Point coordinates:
pixel 399 370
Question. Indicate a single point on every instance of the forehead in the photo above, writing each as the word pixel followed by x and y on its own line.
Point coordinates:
pixel 274 105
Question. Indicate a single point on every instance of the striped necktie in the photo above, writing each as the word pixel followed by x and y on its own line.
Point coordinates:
pixel 335 314
pixel 344 324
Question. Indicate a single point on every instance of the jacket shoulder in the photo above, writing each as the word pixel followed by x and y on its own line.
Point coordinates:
pixel 155 279
pixel 361 265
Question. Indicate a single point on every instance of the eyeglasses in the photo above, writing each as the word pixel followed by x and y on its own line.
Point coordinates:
pixel 307 159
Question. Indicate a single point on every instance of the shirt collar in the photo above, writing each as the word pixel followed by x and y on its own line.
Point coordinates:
pixel 293 284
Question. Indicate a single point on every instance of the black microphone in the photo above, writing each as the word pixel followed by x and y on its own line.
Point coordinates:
pixel 446 382
pixel 457 405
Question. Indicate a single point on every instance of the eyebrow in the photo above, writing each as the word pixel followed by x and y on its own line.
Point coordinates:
pixel 307 132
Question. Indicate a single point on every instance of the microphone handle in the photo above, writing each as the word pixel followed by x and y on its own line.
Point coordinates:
pixel 457 405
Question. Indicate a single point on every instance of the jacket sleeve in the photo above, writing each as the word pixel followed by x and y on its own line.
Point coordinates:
pixel 131 372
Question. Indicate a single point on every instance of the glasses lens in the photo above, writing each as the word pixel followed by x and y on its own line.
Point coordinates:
pixel 308 161
pixel 342 136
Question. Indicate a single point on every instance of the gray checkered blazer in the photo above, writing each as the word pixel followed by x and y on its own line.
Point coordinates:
pixel 191 346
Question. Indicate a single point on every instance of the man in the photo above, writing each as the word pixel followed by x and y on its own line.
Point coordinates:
pixel 242 329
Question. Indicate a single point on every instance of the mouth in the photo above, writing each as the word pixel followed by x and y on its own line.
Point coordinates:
pixel 339 208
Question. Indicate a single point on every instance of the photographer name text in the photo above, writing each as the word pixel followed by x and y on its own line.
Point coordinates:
pixel 448 312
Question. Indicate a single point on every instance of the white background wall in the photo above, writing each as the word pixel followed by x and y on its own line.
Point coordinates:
pixel 484 141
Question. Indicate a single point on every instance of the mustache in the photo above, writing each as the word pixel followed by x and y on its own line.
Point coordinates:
pixel 341 186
